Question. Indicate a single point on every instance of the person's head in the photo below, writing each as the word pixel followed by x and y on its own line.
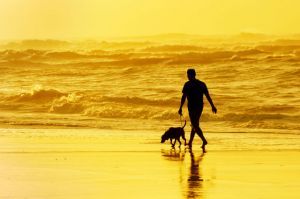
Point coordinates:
pixel 191 73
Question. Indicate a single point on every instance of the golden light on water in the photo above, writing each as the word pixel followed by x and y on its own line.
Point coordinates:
pixel 88 87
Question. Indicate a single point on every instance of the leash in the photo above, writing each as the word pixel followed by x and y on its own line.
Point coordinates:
pixel 180 120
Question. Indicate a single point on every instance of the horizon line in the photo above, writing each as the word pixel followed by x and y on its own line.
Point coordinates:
pixel 97 38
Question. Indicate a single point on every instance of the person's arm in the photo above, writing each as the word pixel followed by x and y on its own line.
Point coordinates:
pixel 214 109
pixel 181 103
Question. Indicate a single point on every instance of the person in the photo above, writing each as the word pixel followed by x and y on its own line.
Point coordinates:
pixel 194 90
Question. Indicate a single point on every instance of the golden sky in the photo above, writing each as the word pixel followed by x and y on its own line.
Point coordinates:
pixel 69 19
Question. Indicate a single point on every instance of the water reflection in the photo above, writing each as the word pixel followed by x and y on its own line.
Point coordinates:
pixel 195 181
pixel 190 175
pixel 173 154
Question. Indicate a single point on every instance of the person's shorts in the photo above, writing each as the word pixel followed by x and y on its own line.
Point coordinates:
pixel 195 115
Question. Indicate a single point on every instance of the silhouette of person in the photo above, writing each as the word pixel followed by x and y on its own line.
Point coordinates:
pixel 194 90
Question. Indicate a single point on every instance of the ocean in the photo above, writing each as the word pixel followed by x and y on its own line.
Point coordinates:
pixel 136 84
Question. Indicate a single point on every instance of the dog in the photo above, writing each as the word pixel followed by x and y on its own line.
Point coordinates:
pixel 174 133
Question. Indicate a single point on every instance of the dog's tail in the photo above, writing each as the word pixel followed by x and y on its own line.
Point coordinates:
pixel 184 124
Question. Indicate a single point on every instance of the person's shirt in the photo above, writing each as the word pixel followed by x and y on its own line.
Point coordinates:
pixel 194 90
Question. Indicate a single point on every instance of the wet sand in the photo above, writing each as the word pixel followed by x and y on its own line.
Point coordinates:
pixel 39 164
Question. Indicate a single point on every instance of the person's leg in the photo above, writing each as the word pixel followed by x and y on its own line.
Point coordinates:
pixel 191 136
pixel 200 133
pixel 192 119
pixel 197 126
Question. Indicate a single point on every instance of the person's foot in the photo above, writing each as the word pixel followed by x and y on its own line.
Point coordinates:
pixel 203 149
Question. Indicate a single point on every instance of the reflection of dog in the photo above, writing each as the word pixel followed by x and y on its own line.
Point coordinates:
pixel 174 133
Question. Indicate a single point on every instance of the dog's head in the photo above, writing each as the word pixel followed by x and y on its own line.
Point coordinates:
pixel 165 136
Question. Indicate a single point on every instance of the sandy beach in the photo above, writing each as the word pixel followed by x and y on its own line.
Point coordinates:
pixel 54 163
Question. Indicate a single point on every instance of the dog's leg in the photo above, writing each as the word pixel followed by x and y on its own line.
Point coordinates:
pixel 179 142
pixel 174 143
pixel 183 137
pixel 171 141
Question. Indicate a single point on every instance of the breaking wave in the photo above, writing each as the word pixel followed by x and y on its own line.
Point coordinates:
pixel 36 95
pixel 67 104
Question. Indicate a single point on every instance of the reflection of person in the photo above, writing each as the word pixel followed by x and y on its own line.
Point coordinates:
pixel 191 180
pixel 193 90
pixel 195 181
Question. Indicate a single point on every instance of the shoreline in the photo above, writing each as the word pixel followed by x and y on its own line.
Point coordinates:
pixel 64 140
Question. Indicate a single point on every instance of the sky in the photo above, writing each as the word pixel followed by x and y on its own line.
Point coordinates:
pixel 69 19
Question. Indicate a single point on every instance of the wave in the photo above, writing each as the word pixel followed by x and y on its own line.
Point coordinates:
pixel 262 124
pixel 293 74
pixel 272 108
pixel 80 102
pixel 241 120
pixel 116 108
pixel 21 63
pixel 36 95
pixel 216 56
pixel 142 101
pixel 57 97
pixel 71 103
pixel 125 62
pixel 21 55
pixel 68 55
pixel 174 48
pixel 278 48
pixel 152 55
pixel 245 117
pixel 250 52
pixel 122 112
